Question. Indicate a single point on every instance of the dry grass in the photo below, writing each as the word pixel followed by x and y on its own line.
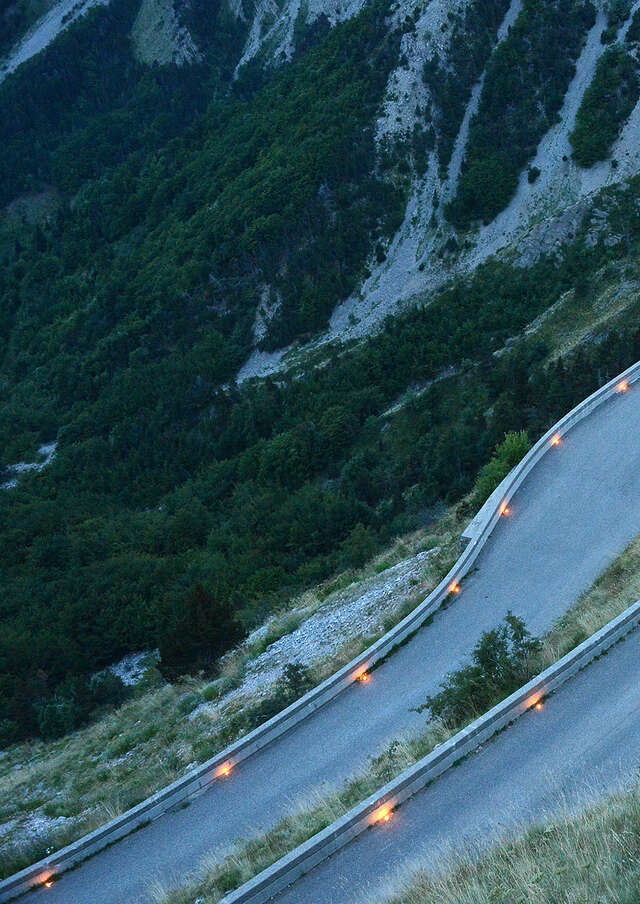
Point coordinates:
pixel 588 857
pixel 51 793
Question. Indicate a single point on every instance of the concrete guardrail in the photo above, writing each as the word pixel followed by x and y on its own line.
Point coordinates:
pixel 199 779
pixel 380 805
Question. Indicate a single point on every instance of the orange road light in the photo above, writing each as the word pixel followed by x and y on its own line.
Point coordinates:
pixel 384 814
pixel 505 510
pixel 539 705
pixel 624 386
pixel 555 440
pixel 363 678
pixel 455 588
pixel 224 770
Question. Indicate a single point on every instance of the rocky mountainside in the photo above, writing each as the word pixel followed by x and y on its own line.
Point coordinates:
pixel 199 192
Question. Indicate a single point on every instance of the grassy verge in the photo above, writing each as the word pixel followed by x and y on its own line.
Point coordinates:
pixel 53 792
pixel 616 589
pixel 589 856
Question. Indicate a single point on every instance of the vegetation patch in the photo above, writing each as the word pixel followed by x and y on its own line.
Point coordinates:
pixel 633 34
pixel 525 85
pixel 164 482
pixel 606 106
pixel 505 457
pixel 472 40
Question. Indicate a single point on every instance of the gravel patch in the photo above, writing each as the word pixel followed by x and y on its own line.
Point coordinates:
pixel 359 610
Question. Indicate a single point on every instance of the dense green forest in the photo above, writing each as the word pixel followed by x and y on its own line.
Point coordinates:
pixel 183 193
pixel 606 105
pixel 171 483
pixel 525 84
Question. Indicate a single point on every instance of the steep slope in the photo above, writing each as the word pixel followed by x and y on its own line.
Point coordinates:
pixel 426 252
pixel 198 206
pixel 556 518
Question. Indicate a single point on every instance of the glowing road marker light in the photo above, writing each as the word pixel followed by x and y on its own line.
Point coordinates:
pixel 363 678
pixel 223 770
pixel 455 588
pixel 623 387
pixel 505 510
pixel 538 705
pixel 48 883
pixel 383 815
pixel 555 441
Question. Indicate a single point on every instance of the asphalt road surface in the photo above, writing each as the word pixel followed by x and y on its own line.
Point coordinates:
pixel 575 513
pixel 585 741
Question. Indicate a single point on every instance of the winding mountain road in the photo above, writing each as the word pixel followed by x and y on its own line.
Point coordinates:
pixel 574 514
pixel 584 742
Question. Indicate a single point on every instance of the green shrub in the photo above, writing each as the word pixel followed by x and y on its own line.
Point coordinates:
pixel 505 457
pixel 9 732
pixel 295 681
pixel 618 11
pixel 57 718
pixel 633 34
pixel 500 664
pixel 472 40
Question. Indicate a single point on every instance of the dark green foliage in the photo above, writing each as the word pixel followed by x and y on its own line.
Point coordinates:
pixel 74 700
pixel 204 629
pixel 633 34
pixel 472 41
pixel 526 81
pixel 217 32
pixel 607 103
pixel 283 484
pixel 618 11
pixel 85 104
pixel 174 242
pixel 533 175
pixel 307 35
pixel 506 456
pixel 500 664
pixel 123 322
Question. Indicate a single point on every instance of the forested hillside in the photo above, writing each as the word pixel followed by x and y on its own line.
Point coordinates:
pixel 161 222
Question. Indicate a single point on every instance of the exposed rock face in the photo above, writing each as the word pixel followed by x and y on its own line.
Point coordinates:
pixel 159 38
